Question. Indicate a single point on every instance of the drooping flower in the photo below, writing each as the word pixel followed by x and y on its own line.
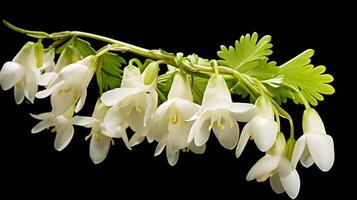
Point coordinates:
pixel 169 125
pixel 132 105
pixel 219 113
pixel 22 73
pixel 63 126
pixel 99 143
pixel 262 128
pixel 68 86
pixel 315 146
pixel 276 166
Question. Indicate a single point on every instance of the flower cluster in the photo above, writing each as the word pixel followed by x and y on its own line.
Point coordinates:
pixel 177 124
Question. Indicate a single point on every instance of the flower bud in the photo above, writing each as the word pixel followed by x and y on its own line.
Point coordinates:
pixel 150 73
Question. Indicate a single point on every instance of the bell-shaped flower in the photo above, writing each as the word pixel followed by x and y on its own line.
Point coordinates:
pixel 22 74
pixel 315 146
pixel 277 167
pixel 132 105
pixel 69 86
pixel 99 143
pixel 48 60
pixel 63 126
pixel 169 125
pixel 262 128
pixel 219 113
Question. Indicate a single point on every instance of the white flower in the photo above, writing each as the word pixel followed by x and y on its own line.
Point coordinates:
pixel 262 128
pixel 22 74
pixel 48 60
pixel 168 125
pixel 68 86
pixel 99 143
pixel 275 166
pixel 63 126
pixel 220 114
pixel 315 145
pixel 132 106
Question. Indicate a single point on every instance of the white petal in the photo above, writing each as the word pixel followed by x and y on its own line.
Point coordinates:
pixel 136 139
pixel 26 56
pixel 322 150
pixel 61 101
pixel 125 139
pixel 81 101
pixel 84 121
pixel 196 149
pixel 246 133
pixel 74 73
pixel 199 130
pixel 49 63
pixel 10 74
pixel 275 184
pixel 289 179
pixel 186 109
pixel 151 102
pixel 64 135
pixel 180 88
pixel 19 93
pixel 312 122
pixel 136 121
pixel 265 108
pixel 47 78
pixel 306 159
pixel 299 147
pixel 41 116
pixel 172 156
pixel 228 136
pixel 242 112
pixel 99 148
pixel 264 133
pixel 30 87
pixel 178 134
pixel 159 148
pixel 131 77
pixel 43 125
pixel 216 89
pixel 218 104
pixel 47 92
pixel 114 96
pixel 265 165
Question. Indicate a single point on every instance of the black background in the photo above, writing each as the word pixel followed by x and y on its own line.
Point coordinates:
pixel 31 166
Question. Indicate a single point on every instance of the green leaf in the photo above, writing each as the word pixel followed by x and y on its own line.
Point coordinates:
pixel 263 70
pixel 109 76
pixel 81 45
pixel 310 80
pixel 246 54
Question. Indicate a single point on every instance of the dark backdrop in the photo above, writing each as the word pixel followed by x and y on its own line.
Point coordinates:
pixel 31 166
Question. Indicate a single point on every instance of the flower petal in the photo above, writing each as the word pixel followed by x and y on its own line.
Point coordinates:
pixel 172 156
pixel 61 101
pixel 26 56
pixel 199 130
pixel 275 184
pixel 114 96
pixel 19 93
pixel 264 133
pixel 131 77
pixel 289 179
pixel 322 150
pixel 178 134
pixel 64 135
pixel 180 88
pixel 186 109
pixel 43 125
pixel 246 133
pixel 47 78
pixel 151 102
pixel 75 73
pixel 228 136
pixel 159 148
pixel 312 122
pixel 196 149
pixel 10 74
pixel 242 112
pixel 216 89
pixel 81 101
pixel 42 115
pixel 30 86
pixel 84 121
pixel 265 165
pixel 99 148
pixel 47 92
pixel 299 147
pixel 136 139
pixel 306 159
